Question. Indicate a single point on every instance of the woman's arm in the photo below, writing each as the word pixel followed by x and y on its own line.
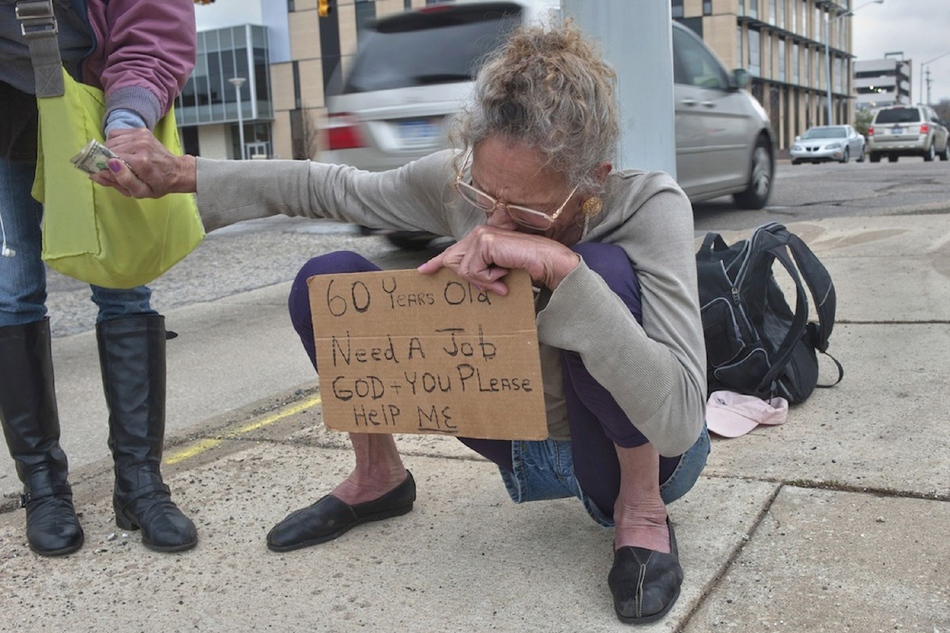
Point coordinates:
pixel 655 372
pixel 145 55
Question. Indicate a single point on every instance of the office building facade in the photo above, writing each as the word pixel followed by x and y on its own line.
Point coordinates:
pixel 781 43
pixel 883 82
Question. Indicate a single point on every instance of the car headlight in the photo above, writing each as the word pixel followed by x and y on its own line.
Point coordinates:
pixel 796 148
pixel 834 146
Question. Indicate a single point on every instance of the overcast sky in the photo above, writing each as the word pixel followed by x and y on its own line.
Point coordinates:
pixel 919 28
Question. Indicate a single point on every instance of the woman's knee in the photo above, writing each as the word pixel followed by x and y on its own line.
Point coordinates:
pixel 614 266
pixel 330 264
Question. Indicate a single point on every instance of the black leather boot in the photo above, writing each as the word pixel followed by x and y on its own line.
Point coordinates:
pixel 132 355
pixel 31 426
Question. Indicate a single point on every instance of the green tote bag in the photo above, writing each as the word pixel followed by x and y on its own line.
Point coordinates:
pixel 94 233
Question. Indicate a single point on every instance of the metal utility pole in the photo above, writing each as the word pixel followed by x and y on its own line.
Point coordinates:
pixel 636 39
pixel 237 82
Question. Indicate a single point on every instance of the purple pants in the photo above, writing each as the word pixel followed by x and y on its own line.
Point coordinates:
pixel 596 421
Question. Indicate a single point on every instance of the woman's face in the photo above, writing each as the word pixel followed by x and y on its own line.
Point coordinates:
pixel 513 174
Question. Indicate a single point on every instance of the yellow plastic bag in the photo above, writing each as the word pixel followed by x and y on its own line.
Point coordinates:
pixel 94 233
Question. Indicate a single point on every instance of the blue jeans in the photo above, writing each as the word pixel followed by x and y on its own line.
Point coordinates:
pixel 23 277
pixel 545 470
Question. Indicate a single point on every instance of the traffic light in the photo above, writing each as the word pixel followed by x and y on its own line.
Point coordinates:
pixel 324 8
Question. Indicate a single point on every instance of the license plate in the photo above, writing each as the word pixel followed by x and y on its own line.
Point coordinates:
pixel 897 130
pixel 419 132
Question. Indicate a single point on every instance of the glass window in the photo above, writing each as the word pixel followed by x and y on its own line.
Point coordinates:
pixel 781 14
pixel 773 10
pixel 389 54
pixel 804 25
pixel 781 60
pixel 677 8
pixel 755 54
pixel 807 66
pixel 838 73
pixel 365 12
pixel 696 66
pixel 794 16
pixel 741 7
pixel 740 56
pixel 754 9
pixel 707 7
pixel 796 67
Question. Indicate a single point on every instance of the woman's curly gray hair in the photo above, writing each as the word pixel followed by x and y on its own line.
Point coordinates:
pixel 548 89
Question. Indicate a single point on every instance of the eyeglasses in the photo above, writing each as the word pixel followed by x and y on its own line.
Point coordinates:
pixel 536 220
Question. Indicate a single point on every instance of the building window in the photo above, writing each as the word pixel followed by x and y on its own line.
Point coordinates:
pixel 754 9
pixel 839 68
pixel 804 27
pixel 707 7
pixel 741 10
pixel 781 14
pixel 755 54
pixel 796 67
pixel 693 24
pixel 677 8
pixel 794 16
pixel 365 12
pixel 781 60
pixel 807 66
pixel 740 57
pixel 772 11
pixel 295 65
pixel 407 4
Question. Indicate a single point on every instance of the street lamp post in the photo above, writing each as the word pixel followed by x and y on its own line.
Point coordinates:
pixel 237 82
pixel 828 24
pixel 921 79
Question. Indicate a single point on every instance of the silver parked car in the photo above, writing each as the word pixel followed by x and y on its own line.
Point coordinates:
pixel 826 143
pixel 414 70
pixel 907 131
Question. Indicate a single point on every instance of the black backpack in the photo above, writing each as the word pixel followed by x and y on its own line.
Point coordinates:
pixel 755 344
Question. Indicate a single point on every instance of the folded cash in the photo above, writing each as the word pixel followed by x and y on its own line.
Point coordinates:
pixel 92 158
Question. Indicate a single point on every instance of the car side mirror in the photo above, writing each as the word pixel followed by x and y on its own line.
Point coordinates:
pixel 742 78
pixel 797 138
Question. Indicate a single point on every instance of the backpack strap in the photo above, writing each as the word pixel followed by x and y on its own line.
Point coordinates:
pixel 799 321
pixel 821 287
pixel 711 243
pixel 39 27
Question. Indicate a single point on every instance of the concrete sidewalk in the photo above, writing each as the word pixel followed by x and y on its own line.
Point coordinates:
pixel 838 520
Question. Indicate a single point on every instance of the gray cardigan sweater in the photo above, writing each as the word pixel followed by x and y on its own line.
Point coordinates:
pixel 655 372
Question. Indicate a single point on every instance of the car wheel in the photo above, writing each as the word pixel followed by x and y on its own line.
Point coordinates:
pixel 861 156
pixel 760 179
pixel 795 161
pixel 875 158
pixel 892 158
pixel 945 154
pixel 930 154
pixel 847 156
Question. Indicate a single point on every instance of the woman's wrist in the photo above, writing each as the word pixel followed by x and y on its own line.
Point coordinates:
pixel 186 181
pixel 564 267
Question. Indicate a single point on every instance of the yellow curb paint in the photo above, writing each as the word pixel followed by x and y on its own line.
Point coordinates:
pixel 196 448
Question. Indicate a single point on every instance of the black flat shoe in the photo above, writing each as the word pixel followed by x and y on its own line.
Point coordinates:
pixel 645 583
pixel 329 517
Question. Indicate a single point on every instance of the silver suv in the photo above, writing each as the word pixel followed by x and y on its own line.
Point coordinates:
pixel 907 131
pixel 414 70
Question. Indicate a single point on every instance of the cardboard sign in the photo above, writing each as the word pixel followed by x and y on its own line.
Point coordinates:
pixel 402 352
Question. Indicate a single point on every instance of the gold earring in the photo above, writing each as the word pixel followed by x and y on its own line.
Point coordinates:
pixel 592 206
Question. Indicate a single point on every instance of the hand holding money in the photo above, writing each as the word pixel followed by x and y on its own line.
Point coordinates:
pixel 144 167
pixel 93 158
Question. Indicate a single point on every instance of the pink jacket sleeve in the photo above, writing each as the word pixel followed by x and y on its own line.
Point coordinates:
pixel 144 55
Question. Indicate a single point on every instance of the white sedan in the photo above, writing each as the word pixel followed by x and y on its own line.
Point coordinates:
pixel 828 142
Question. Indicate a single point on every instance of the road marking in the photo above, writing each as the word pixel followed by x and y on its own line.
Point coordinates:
pixel 202 445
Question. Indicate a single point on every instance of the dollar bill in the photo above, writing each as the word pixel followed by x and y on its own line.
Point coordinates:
pixel 92 158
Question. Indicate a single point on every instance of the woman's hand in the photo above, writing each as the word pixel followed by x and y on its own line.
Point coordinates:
pixel 487 253
pixel 146 169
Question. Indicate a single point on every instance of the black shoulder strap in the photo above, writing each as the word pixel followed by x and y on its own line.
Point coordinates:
pixel 822 289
